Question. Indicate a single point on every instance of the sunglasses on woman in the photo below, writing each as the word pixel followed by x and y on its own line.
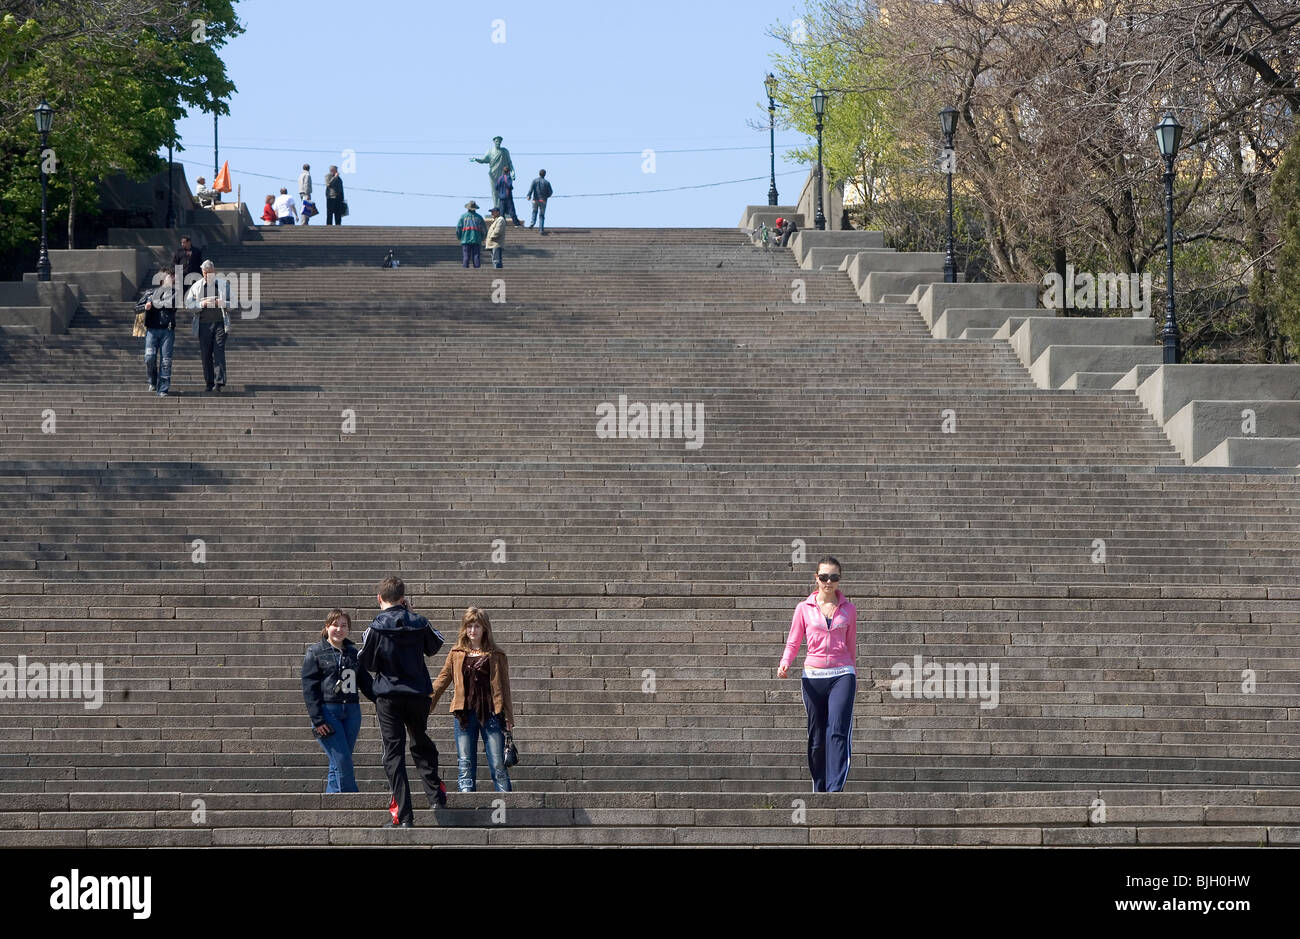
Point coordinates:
pixel 829 578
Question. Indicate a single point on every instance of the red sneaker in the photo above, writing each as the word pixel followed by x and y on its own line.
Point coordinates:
pixel 392 808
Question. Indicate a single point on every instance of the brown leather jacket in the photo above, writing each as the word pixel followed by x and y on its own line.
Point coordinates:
pixel 452 671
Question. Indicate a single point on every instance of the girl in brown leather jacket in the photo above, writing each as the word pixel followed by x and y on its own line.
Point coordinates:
pixel 481 702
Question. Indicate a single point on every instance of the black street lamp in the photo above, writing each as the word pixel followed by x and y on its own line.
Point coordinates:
pixel 1168 134
pixel 44 122
pixel 948 123
pixel 770 84
pixel 819 108
pixel 171 187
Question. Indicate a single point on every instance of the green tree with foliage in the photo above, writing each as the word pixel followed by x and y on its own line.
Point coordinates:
pixel 119 73
pixel 1277 285
pixel 824 50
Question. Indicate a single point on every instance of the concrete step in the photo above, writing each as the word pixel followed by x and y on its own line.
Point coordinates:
pixel 1119 672
pixel 1091 381
pixel 1254 451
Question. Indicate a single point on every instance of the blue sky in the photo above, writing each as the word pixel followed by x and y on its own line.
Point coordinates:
pixel 581 89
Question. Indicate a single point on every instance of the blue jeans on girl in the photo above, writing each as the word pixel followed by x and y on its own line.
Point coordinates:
pixel 494 744
pixel 345 719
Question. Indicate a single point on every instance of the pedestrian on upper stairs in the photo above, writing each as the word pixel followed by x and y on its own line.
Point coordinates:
pixel 785 229
pixel 304 190
pixel 506 197
pixel 285 211
pixel 210 296
pixel 538 193
pixel 394 648
pixel 496 235
pixel 268 211
pixel 160 334
pixel 829 620
pixel 190 260
pixel 332 682
pixel 333 197
pixel 480 704
pixel 471 230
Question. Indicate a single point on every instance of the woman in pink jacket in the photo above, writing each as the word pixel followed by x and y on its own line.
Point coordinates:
pixel 830 622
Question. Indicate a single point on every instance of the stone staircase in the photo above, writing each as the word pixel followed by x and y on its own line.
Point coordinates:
pixel 401 421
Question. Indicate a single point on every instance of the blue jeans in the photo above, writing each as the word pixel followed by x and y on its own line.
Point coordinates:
pixel 345 720
pixel 494 744
pixel 470 253
pixel 539 209
pixel 496 257
pixel 158 344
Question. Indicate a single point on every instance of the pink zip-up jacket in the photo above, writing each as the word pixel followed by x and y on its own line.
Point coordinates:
pixel 827 648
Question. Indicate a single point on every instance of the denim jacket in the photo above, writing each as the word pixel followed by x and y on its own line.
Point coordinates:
pixel 321 670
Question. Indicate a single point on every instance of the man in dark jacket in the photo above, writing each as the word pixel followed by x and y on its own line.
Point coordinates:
pixel 188 260
pixel 538 193
pixel 394 648
pixel 333 197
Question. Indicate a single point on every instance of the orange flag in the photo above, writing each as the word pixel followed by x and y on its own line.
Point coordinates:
pixel 222 182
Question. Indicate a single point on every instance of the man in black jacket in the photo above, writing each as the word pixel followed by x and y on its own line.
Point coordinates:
pixel 394 648
pixel 333 197
pixel 538 194
pixel 187 260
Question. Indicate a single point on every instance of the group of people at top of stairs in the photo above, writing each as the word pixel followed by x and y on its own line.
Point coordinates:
pixel 282 210
pixel 210 299
pixel 335 672
pixel 475 233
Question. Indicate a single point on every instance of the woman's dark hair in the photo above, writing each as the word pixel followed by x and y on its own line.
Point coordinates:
pixel 831 560
pixel 333 617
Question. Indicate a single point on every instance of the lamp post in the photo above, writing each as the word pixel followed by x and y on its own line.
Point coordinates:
pixel 770 84
pixel 171 186
pixel 1168 134
pixel 819 108
pixel 44 121
pixel 948 124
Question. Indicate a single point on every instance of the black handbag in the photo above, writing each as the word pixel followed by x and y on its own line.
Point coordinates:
pixel 512 752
